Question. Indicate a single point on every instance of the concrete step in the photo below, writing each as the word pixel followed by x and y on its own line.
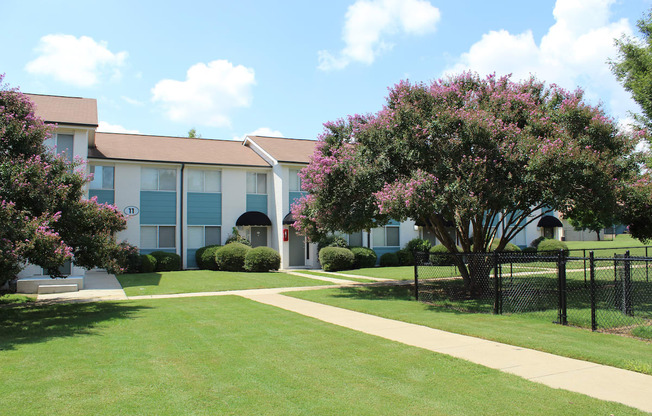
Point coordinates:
pixel 70 287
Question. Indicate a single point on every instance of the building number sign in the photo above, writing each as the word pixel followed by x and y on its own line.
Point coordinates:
pixel 131 211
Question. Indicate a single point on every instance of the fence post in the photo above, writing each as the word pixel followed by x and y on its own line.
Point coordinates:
pixel 497 289
pixel 584 255
pixel 416 275
pixel 561 272
pixel 627 285
pixel 594 324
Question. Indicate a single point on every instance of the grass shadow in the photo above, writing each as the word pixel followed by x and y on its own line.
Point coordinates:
pixel 139 279
pixel 34 323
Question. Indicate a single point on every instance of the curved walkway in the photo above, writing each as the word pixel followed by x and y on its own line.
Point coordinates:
pixel 595 380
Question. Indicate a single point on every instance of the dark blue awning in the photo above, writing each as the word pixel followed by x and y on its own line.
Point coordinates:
pixel 253 218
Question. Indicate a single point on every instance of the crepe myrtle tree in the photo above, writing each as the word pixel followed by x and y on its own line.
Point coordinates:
pixel 488 155
pixel 43 218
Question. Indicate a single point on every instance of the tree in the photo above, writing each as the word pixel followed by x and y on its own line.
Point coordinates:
pixel 43 218
pixel 591 221
pixel 634 67
pixel 192 134
pixel 485 155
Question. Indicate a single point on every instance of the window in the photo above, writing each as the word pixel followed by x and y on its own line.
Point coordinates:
pixel 201 236
pixel 65 146
pixel 387 236
pixel 157 236
pixel 295 180
pixel 102 177
pixel 204 181
pixel 355 239
pixel 256 183
pixel 152 179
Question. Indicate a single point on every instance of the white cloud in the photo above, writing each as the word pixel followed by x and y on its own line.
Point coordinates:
pixel 574 52
pixel 114 128
pixel 370 25
pixel 78 61
pixel 132 101
pixel 208 94
pixel 261 131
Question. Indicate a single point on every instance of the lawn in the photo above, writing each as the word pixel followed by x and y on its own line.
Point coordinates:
pixel 229 355
pixel 397 302
pixel 396 273
pixel 191 281
pixel 607 248
pixel 334 276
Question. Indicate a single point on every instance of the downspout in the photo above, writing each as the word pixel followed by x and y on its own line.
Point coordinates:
pixel 182 254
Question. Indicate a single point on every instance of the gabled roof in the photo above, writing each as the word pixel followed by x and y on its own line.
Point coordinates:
pixel 138 147
pixel 286 150
pixel 65 110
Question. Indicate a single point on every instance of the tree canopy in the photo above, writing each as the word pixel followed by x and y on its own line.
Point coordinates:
pixel 634 67
pixel 43 217
pixel 488 155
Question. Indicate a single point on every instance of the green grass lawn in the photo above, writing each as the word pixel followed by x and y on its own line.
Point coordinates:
pixel 191 281
pixel 607 248
pixel 396 273
pixel 231 356
pixel 397 302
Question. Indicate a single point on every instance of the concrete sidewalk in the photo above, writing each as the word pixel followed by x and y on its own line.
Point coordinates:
pixel 98 285
pixel 595 380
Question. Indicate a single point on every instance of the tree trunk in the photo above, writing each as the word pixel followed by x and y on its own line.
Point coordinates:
pixel 476 274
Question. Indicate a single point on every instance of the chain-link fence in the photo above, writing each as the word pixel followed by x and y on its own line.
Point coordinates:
pixel 599 293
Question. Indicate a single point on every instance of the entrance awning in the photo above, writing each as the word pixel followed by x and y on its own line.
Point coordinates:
pixel 288 219
pixel 548 221
pixel 253 218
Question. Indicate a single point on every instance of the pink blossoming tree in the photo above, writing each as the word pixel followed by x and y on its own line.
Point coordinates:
pixel 43 218
pixel 485 155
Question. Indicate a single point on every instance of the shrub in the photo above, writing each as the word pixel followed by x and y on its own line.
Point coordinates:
pixel 405 257
pixel 418 244
pixel 262 259
pixel 231 257
pixel 438 258
pixel 336 258
pixel 549 246
pixel 536 241
pixel 363 257
pixel 529 250
pixel 509 248
pixel 205 257
pixel 167 262
pixel 389 260
pixel 235 237
pixel 148 263
pixel 331 241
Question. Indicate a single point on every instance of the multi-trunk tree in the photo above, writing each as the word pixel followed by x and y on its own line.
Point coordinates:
pixel 43 218
pixel 486 155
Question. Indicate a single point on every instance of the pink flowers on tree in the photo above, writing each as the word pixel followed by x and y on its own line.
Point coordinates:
pixel 485 154
pixel 43 219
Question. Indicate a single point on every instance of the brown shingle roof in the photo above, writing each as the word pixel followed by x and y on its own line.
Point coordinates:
pixel 173 149
pixel 286 150
pixel 65 110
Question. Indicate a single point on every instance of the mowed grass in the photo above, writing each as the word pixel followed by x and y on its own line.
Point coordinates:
pixel 397 302
pixel 607 248
pixel 335 276
pixel 396 273
pixel 190 281
pixel 231 356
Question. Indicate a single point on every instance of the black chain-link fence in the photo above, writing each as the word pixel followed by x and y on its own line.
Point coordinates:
pixel 612 294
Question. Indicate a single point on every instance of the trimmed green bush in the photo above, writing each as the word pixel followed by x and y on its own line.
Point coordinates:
pixel 363 257
pixel 205 257
pixel 405 257
pixel 262 259
pixel 148 263
pixel 331 241
pixel 231 257
pixel 389 260
pixel 509 247
pixel 549 246
pixel 235 237
pixel 535 243
pixel 167 262
pixel 418 244
pixel 336 258
pixel 529 250
pixel 438 259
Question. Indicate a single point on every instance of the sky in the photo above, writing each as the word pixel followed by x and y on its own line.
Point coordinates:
pixel 283 68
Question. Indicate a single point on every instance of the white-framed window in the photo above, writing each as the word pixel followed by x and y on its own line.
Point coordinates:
pixel 295 180
pixel 157 236
pixel 153 179
pixel 387 236
pixel 256 183
pixel 204 235
pixel 204 180
pixel 64 143
pixel 103 177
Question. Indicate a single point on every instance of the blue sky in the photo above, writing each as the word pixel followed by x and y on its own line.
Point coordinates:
pixel 284 68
